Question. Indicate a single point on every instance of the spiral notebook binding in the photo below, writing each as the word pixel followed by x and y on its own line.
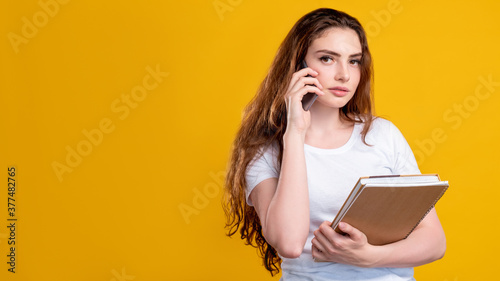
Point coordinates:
pixel 430 208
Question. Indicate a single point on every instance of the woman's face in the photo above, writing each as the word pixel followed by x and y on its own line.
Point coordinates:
pixel 336 57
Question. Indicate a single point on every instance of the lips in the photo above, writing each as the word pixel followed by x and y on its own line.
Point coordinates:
pixel 339 91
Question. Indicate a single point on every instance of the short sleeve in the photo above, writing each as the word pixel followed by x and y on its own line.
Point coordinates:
pixel 262 167
pixel 404 160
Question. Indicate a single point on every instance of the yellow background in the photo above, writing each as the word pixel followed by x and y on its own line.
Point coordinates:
pixel 117 214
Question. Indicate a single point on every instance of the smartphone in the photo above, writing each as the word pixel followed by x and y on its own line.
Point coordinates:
pixel 309 98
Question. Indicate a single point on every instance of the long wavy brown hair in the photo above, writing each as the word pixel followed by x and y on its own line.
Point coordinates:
pixel 264 120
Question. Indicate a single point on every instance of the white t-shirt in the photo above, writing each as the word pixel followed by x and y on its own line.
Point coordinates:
pixel 331 174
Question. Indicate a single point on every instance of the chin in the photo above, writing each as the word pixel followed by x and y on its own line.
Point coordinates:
pixel 333 103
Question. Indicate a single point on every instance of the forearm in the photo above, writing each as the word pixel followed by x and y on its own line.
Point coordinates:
pixel 287 223
pixel 425 244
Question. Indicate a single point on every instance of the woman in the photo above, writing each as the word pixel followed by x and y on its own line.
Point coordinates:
pixel 291 169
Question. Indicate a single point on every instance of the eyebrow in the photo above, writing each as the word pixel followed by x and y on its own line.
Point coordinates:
pixel 337 54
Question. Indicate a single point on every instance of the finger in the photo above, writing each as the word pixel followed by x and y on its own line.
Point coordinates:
pixel 323 242
pixel 299 95
pixel 299 74
pixel 297 79
pixel 298 88
pixel 319 233
pixel 311 89
pixel 308 71
pixel 316 245
pixel 326 229
pixel 308 80
pixel 317 254
pixel 351 231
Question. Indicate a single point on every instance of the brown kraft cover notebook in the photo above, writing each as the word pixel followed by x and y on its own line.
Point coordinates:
pixel 387 208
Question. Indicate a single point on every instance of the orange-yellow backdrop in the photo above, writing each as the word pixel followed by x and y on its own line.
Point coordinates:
pixel 118 117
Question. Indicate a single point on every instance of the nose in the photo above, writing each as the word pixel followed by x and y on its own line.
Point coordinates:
pixel 342 72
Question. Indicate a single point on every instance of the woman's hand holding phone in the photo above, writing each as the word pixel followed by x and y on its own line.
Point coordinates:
pixel 309 98
pixel 302 83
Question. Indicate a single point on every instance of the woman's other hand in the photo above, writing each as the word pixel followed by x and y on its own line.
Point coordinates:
pixel 352 248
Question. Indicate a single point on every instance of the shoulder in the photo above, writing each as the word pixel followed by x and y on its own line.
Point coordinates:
pixel 266 153
pixel 263 166
pixel 383 132
pixel 266 158
pixel 387 139
pixel 381 124
pixel 377 123
pixel 381 128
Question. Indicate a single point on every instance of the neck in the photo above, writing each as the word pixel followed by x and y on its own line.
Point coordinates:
pixel 326 120
pixel 327 129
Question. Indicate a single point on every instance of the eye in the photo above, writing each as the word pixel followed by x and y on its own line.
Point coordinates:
pixel 355 62
pixel 326 59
